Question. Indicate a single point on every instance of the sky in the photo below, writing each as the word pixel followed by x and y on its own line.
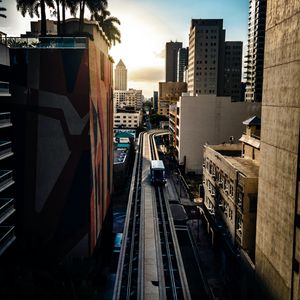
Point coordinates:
pixel 146 26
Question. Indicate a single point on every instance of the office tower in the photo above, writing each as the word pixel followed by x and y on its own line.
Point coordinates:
pixel 233 70
pixel 182 63
pixel 63 128
pixel 171 60
pixel 278 212
pixel 206 57
pixel 121 76
pixel 255 52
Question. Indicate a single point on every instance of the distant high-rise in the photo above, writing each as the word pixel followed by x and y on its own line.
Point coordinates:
pixel 255 52
pixel 121 76
pixel 277 253
pixel 171 60
pixel 206 57
pixel 182 63
pixel 233 70
pixel 155 100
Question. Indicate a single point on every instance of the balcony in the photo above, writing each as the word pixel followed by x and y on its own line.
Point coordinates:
pixel 5 149
pixel 5 120
pixel 6 179
pixel 6 208
pixel 47 42
pixel 4 88
pixel 7 237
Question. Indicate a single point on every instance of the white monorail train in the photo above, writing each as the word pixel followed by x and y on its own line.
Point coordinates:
pixel 157 172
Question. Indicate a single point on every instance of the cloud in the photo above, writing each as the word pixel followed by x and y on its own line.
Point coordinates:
pixel 147 74
pixel 160 54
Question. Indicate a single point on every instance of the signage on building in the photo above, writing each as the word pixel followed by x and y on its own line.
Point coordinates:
pixel 130 131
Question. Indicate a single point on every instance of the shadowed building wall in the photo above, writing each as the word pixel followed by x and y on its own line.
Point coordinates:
pixel 278 211
pixel 62 106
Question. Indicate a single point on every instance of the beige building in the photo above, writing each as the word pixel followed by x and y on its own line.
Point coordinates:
pixel 127 119
pixel 169 93
pixel 230 180
pixel 131 98
pixel 206 119
pixel 278 211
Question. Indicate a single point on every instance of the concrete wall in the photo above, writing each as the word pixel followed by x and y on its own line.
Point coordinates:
pixel 209 119
pixel 278 198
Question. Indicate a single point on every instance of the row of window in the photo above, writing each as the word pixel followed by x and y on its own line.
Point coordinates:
pixel 128 121
pixel 124 117
pixel 220 177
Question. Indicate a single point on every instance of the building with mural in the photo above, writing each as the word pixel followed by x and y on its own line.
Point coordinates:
pixel 62 110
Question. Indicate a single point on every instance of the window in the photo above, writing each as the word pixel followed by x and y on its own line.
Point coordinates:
pixel 240 197
pixel 102 65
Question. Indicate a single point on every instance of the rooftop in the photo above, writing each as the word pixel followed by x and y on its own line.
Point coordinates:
pixel 248 167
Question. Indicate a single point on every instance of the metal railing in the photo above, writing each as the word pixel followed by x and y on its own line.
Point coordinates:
pixel 5 119
pixel 6 179
pixel 7 236
pixel 4 88
pixel 5 149
pixel 6 208
pixel 47 42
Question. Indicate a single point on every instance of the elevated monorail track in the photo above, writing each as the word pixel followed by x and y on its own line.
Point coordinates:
pixel 150 264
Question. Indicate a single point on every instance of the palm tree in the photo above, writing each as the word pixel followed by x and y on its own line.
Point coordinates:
pixel 32 7
pixel 58 17
pixel 2 9
pixel 108 25
pixel 94 6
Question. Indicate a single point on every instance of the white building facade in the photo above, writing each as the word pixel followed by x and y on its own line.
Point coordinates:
pixel 131 98
pixel 207 119
pixel 127 119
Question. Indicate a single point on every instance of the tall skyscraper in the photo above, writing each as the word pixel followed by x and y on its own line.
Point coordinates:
pixel 171 60
pixel 182 63
pixel 255 52
pixel 121 76
pixel 278 212
pixel 233 70
pixel 206 57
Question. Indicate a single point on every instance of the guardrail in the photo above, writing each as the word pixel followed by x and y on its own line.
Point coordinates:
pixel 46 42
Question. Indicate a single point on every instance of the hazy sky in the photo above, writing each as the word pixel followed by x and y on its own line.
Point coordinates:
pixel 146 26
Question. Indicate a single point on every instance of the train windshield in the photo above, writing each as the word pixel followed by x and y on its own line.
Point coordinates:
pixel 159 174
